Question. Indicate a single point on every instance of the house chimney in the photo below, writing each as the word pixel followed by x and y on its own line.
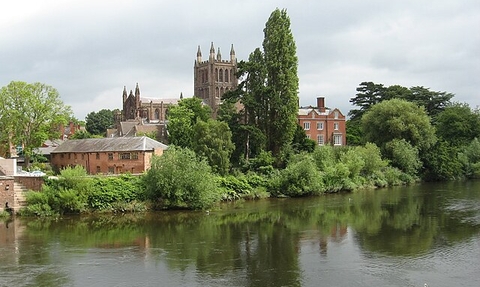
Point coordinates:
pixel 321 104
pixel 72 129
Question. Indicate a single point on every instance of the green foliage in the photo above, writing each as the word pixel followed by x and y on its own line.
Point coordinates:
pixel 370 94
pixel 30 114
pixel 213 140
pixel 75 192
pixel 398 119
pixel 269 93
pixel 458 124
pixel 372 158
pixel 301 143
pixel 109 192
pixel 180 126
pixel 152 134
pixel 470 158
pixel 81 134
pixel 262 163
pixel 281 63
pixel 97 123
pixel 180 179
pixel 182 119
pixel 404 156
pixel 299 178
pixel 442 162
pixel 354 132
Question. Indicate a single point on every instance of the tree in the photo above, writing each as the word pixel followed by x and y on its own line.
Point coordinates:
pixel 398 119
pixel 250 124
pixel 30 114
pixel 213 140
pixel 282 81
pixel 81 134
pixel 301 143
pixel 458 124
pixel 269 90
pixel 434 102
pixel 182 118
pixel 368 95
pixel 403 156
pixel 97 123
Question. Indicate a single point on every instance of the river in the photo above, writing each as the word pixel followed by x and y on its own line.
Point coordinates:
pixel 401 236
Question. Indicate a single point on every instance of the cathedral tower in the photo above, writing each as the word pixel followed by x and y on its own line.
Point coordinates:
pixel 214 77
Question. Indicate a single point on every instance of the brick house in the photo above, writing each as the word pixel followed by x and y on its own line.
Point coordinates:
pixel 323 125
pixel 107 155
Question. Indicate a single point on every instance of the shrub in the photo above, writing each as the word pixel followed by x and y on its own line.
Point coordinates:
pixel 299 178
pixel 179 179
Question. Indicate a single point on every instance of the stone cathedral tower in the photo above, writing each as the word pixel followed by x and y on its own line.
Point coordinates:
pixel 214 77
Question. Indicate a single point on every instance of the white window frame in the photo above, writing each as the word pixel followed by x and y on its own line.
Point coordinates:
pixel 320 126
pixel 336 126
pixel 306 126
pixel 320 139
pixel 337 139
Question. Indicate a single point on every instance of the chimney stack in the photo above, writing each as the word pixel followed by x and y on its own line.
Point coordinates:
pixel 321 104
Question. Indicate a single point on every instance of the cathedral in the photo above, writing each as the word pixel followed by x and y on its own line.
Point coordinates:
pixel 151 110
pixel 214 77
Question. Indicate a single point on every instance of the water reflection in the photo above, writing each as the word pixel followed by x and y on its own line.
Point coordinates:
pixel 334 239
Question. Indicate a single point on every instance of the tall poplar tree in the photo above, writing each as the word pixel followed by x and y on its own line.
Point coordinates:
pixel 281 62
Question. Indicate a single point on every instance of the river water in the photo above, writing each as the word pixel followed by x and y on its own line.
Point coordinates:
pixel 401 236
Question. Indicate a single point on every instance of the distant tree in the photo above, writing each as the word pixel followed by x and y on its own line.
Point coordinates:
pixel 30 114
pixel 458 124
pixel 213 140
pixel 398 119
pixel 434 102
pixel 281 62
pixel 200 111
pixel 301 143
pixel 81 134
pixel 182 118
pixel 97 123
pixel 368 94
pixel 269 89
pixel 354 132
pixel 180 126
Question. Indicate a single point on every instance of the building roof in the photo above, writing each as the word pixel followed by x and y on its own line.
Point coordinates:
pixel 304 111
pixel 146 100
pixel 109 145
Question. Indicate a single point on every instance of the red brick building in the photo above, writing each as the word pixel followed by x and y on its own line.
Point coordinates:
pixel 323 125
pixel 107 155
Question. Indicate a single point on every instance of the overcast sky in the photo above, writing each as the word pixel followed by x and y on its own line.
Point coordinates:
pixel 89 50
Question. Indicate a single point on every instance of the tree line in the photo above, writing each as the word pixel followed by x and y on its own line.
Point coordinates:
pixel 396 135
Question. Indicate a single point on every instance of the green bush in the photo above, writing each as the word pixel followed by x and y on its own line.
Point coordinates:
pixel 179 179
pixel 106 191
pixel 299 178
pixel 403 156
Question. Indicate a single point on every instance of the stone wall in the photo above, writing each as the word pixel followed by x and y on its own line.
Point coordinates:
pixel 30 182
pixel 6 192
